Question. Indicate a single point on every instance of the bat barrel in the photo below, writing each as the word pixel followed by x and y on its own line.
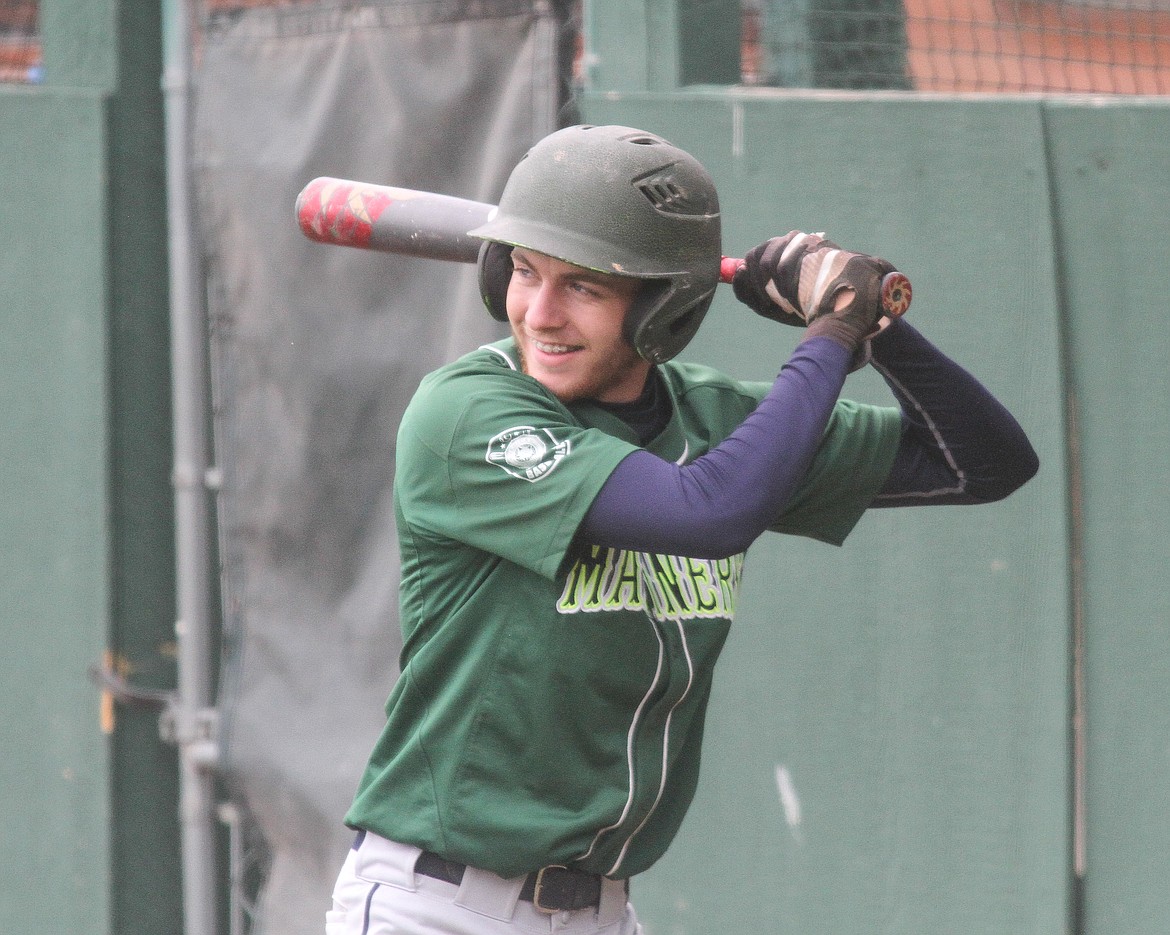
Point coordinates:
pixel 390 220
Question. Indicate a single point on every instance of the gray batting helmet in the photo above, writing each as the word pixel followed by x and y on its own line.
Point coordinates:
pixel 621 201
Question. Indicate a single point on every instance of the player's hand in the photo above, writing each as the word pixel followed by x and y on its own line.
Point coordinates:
pixel 851 310
pixel 778 278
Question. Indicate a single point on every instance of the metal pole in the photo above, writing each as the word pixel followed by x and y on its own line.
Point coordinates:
pixel 191 720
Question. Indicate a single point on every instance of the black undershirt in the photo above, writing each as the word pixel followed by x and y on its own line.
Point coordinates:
pixel 647 415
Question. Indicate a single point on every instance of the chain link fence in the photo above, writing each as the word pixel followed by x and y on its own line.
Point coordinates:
pixel 949 46
pixel 984 46
pixel 981 46
pixel 959 46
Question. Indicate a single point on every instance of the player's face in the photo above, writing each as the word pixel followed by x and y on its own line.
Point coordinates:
pixel 567 322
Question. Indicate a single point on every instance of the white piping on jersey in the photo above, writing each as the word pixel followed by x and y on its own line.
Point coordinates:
pixel 682 459
pixel 632 732
pixel 637 719
pixel 938 440
pixel 665 751
pixel 495 350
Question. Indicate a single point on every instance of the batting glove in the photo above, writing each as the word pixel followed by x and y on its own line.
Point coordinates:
pixel 860 317
pixel 796 279
pixel 778 278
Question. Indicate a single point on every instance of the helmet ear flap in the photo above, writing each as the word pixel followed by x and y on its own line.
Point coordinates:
pixel 661 322
pixel 495 271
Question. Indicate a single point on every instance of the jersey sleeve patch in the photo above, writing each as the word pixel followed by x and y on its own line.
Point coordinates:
pixel 527 453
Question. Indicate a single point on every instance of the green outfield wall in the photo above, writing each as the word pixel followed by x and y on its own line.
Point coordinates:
pixel 54 520
pixel 892 746
pixel 88 824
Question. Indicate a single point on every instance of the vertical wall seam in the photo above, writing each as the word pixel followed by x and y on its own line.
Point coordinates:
pixel 1078 858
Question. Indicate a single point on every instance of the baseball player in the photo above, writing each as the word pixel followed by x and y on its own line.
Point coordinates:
pixel 573 508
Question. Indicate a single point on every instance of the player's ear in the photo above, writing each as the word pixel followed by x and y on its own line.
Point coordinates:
pixel 495 271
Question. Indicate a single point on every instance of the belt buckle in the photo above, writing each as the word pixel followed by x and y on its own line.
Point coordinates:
pixel 538 889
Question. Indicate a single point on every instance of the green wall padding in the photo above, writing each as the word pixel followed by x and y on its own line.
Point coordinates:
pixel 53 519
pixel 1111 172
pixel 145 847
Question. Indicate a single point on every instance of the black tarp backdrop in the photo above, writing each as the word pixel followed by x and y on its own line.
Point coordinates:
pixel 315 352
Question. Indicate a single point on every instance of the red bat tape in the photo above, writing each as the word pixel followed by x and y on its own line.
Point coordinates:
pixel 390 220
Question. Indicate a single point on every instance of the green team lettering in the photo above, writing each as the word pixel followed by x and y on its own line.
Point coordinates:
pixel 674 587
pixel 626 588
pixel 728 571
pixel 667 598
pixel 702 582
pixel 583 585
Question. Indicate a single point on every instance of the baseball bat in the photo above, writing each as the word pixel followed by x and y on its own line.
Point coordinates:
pixel 391 220
pixel 426 224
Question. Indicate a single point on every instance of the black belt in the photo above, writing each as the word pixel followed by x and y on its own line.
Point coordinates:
pixel 550 889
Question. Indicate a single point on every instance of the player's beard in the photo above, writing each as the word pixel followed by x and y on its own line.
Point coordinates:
pixel 612 374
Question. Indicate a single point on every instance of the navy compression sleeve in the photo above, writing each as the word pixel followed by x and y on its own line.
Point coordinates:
pixel 722 501
pixel 959 444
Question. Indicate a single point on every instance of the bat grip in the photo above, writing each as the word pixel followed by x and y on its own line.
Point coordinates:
pixel 896 289
pixel 728 266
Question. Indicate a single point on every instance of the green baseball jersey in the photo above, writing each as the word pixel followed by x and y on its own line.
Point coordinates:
pixel 552 693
